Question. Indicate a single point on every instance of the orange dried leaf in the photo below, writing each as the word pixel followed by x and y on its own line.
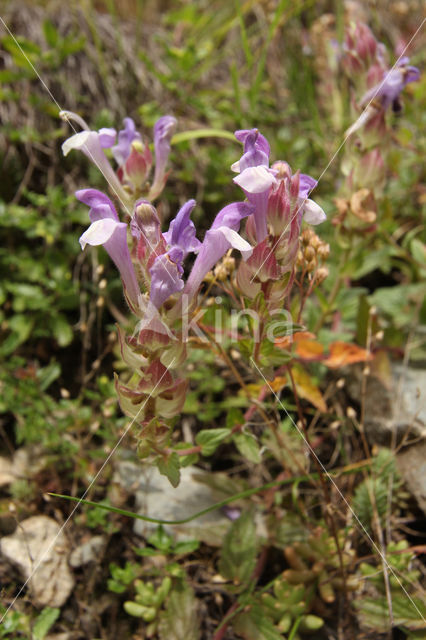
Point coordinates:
pixel 343 353
pixel 286 341
pixel 278 383
pixel 309 349
pixel 307 390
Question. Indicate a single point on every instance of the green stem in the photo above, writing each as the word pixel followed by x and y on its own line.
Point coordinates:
pixel 334 292
pixel 238 496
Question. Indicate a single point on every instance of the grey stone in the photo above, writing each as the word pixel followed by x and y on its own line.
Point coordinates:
pixel 39 549
pixel 411 463
pixel 25 463
pixel 156 498
pixel 87 552
pixel 395 404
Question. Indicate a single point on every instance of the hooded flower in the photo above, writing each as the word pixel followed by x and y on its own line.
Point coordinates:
pixel 106 229
pixel 385 93
pixel 181 232
pixel 164 129
pixel 126 137
pixel 255 177
pixel 92 144
pixel 166 272
pixel 133 157
pixel 221 236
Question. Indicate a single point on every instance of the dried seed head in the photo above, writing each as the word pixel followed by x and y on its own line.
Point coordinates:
pixel 351 413
pixel 306 236
pixel 323 251
pixel 315 241
pixel 321 274
pixel 209 277
pixel 229 263
pixel 221 272
pixel 309 254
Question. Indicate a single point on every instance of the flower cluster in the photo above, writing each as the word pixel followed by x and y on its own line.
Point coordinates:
pixel 364 57
pixel 133 157
pixel 151 262
pixel 281 202
pixel 377 89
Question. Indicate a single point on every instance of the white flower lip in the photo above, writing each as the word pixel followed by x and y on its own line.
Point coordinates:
pixel 236 241
pixel 313 213
pixel 99 232
pixel 77 141
pixel 255 179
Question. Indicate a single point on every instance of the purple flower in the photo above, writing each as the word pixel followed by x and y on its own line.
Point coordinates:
pixel 250 136
pixel 255 177
pixel 259 182
pixel 163 131
pixel 306 185
pixel 166 278
pixel 126 136
pixel 112 234
pixel 181 232
pixel 387 91
pixel 166 272
pixel 312 212
pixel 221 236
pixel 92 144
pixel 107 137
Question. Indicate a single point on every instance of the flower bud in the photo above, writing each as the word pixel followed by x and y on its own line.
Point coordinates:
pixel 321 274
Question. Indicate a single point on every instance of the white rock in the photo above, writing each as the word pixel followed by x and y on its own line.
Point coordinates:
pixel 87 552
pixel 25 463
pixel 155 497
pixel 39 549
pixel 6 473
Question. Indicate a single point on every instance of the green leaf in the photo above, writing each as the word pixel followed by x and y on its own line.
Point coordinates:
pixel 160 539
pixel 210 439
pixel 233 417
pixel 255 625
pixel 180 619
pixel 185 547
pixel 238 554
pixel 50 33
pixel 20 326
pixel 44 622
pixel 248 447
pixel 140 611
pixel 418 251
pixel 169 466
pixel 27 296
pixel 270 355
pixel 374 612
pixel 61 329
pixel 48 374
pixel 371 260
